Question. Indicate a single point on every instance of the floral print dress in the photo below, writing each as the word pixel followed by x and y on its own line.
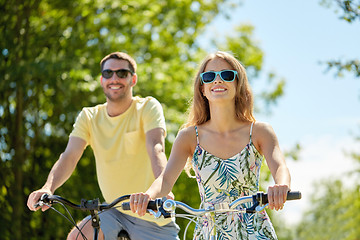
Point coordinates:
pixel 224 180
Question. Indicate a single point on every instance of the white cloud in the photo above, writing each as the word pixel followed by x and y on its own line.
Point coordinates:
pixel 321 157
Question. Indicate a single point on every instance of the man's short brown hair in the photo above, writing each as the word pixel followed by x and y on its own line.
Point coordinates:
pixel 120 56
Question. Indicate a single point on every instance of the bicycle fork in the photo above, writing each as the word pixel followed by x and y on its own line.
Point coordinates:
pixel 95 223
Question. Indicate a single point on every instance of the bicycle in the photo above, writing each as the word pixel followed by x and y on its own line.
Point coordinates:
pixel 166 208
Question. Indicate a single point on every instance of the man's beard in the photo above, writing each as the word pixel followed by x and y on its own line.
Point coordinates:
pixel 116 97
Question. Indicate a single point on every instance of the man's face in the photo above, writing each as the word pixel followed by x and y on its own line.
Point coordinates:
pixel 115 88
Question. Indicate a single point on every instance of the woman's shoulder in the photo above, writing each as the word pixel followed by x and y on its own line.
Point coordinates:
pixel 186 139
pixel 262 126
pixel 262 131
pixel 187 132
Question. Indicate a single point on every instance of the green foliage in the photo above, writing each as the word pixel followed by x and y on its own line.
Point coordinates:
pixel 349 9
pixel 335 207
pixel 49 70
pixel 334 213
pixel 340 67
pixel 350 12
pixel 293 153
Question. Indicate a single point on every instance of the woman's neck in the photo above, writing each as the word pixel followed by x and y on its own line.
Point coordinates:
pixel 223 118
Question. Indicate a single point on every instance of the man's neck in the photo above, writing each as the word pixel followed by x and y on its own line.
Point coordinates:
pixel 117 108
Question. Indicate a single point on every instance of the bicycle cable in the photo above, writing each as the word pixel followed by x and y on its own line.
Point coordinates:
pixel 72 221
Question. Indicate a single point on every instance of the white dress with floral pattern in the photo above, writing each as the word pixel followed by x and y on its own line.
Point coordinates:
pixel 224 180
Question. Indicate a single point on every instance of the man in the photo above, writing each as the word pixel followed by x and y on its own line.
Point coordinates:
pixel 127 137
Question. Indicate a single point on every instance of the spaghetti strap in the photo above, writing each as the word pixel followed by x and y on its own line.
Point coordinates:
pixel 197 135
pixel 251 128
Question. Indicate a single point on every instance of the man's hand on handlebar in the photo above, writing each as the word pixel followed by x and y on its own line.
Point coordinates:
pixel 34 198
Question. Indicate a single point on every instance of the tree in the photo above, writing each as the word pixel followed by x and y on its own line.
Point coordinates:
pixel 50 55
pixel 334 213
pixel 335 205
pixel 50 51
pixel 350 12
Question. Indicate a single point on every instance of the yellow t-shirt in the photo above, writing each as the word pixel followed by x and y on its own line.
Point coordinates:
pixel 122 163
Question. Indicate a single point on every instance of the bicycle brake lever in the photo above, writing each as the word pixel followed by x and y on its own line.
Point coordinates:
pixel 38 204
pixel 155 214
pixel 260 208
pixel 41 201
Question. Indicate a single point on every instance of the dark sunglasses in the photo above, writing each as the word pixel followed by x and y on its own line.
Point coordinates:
pixel 225 75
pixel 121 73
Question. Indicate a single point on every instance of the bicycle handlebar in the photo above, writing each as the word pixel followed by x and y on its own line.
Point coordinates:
pixel 84 205
pixel 259 199
pixel 166 206
pixel 92 204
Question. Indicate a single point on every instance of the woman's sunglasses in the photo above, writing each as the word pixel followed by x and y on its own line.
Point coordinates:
pixel 121 73
pixel 225 75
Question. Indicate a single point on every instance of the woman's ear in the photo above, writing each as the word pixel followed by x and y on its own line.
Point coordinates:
pixel 101 79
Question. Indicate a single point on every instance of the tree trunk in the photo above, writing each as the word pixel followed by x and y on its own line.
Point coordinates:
pixel 18 161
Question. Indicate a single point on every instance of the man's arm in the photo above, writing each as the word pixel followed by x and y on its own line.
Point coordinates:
pixel 61 171
pixel 155 146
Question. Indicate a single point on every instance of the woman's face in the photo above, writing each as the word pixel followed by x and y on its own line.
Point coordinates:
pixel 219 90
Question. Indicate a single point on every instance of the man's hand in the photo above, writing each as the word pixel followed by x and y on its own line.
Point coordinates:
pixel 34 198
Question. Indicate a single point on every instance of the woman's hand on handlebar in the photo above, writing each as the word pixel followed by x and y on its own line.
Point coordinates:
pixel 277 196
pixel 139 202
pixel 34 198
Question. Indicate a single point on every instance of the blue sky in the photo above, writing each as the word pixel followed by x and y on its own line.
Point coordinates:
pixel 319 111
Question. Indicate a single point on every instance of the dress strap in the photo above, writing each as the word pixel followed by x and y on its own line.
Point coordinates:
pixel 251 128
pixel 197 135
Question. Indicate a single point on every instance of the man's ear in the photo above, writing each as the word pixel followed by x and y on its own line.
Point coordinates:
pixel 133 80
pixel 101 79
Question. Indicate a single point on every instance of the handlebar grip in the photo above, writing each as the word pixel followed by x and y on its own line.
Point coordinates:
pixel 125 206
pixel 153 205
pixel 294 195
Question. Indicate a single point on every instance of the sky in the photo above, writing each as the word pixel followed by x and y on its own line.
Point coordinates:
pixel 319 111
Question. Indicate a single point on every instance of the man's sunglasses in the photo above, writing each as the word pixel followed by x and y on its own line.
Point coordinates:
pixel 225 75
pixel 121 73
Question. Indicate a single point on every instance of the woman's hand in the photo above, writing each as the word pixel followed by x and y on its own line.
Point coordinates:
pixel 277 196
pixel 139 202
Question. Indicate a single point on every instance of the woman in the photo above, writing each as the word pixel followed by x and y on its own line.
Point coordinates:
pixel 225 147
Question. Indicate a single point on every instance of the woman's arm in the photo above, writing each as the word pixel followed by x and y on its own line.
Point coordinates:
pixel 162 185
pixel 269 147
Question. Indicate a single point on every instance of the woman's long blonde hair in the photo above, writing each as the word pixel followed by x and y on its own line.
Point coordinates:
pixel 199 112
